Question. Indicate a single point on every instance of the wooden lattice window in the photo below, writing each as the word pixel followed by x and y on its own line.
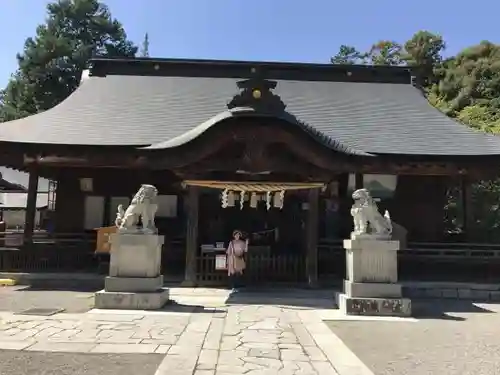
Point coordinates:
pixel 51 204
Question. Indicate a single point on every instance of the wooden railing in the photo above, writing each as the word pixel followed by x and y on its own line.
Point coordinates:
pixel 419 261
pixel 331 260
pixel 465 262
pixel 425 261
pixel 453 251
pixel 45 252
pixel 261 268
pixel 173 258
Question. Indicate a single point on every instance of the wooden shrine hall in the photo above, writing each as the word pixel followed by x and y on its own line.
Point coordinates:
pixel 284 143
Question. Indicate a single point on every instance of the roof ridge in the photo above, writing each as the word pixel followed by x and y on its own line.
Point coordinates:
pixel 246 69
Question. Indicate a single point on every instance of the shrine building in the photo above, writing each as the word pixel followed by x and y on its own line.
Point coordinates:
pixel 272 149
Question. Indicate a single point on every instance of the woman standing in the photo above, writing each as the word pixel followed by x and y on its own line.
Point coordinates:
pixel 236 259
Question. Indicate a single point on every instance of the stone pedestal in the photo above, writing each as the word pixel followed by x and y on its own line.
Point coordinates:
pixel 135 280
pixel 371 287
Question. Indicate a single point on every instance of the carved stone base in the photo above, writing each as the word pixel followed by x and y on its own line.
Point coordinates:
pixel 369 236
pixel 135 255
pixel 131 301
pixel 133 284
pixel 135 281
pixel 372 290
pixel 372 261
pixel 363 306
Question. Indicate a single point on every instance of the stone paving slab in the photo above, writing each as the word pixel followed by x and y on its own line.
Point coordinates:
pixel 201 335
pixel 100 333
pixel 245 339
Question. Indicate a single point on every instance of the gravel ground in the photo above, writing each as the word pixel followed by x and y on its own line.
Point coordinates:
pixel 44 363
pixel 450 338
pixel 18 298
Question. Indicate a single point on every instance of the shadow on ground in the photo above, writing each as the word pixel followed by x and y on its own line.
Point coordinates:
pixel 445 309
pixel 59 288
pixel 307 298
pixel 173 306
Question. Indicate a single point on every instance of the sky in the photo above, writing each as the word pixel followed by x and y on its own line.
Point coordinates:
pixel 270 30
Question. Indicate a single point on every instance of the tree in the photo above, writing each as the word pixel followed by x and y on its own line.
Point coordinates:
pixel 348 55
pixel 471 78
pixel 382 53
pixel 385 52
pixel 16 100
pixel 145 46
pixel 465 86
pixel 51 63
pixel 423 50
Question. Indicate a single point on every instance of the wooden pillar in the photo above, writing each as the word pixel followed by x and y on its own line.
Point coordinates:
pixel 312 238
pixel 358 181
pixel 345 203
pixel 192 204
pixel 467 207
pixel 106 220
pixel 29 225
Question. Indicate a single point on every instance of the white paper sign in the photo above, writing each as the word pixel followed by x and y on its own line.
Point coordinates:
pixel 220 262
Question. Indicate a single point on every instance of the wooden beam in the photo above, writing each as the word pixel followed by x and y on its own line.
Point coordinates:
pixel 272 165
pixel 88 161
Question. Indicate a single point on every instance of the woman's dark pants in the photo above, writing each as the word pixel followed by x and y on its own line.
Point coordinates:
pixel 236 280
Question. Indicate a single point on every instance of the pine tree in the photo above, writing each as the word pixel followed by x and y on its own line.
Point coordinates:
pixel 145 46
pixel 51 63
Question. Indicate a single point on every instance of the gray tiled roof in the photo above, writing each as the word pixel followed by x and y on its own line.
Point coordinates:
pixel 19 200
pixel 148 110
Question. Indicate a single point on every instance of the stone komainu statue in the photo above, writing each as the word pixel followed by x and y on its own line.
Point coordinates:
pixel 144 205
pixel 367 218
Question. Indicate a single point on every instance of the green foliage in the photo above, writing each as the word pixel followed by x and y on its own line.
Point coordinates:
pixel 348 55
pixel 145 46
pixel 480 117
pixel 466 87
pixel 472 78
pixel 423 51
pixel 16 100
pixel 385 52
pixel 51 63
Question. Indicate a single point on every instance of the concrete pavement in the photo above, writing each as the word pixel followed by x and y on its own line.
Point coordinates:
pixel 13 362
pixel 449 338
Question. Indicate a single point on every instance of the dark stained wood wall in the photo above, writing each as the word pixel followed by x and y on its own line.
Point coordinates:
pixel 418 205
pixel 70 199
pixel 69 214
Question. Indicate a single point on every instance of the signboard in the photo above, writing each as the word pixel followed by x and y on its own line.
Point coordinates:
pixel 103 244
pixel 220 262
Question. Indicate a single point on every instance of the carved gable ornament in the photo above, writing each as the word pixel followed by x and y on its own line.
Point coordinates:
pixel 257 93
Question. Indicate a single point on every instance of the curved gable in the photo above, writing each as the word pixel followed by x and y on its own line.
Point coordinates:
pixel 238 112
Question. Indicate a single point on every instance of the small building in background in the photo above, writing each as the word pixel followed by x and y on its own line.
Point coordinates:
pixel 8 186
pixel 13 209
